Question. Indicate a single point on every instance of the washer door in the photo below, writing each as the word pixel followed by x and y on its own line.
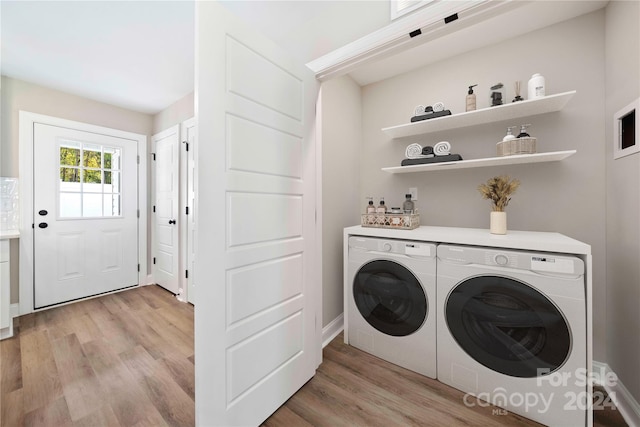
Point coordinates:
pixel 508 326
pixel 390 298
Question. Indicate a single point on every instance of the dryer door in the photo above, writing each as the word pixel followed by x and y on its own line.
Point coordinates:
pixel 508 326
pixel 390 298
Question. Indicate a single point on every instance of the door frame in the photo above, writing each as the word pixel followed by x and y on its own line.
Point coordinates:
pixel 26 121
pixel 187 157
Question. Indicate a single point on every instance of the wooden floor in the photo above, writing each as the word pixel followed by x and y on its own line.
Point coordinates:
pixel 127 359
pixel 353 388
pixel 123 359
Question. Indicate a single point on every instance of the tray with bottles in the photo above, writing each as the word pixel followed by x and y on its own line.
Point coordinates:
pixel 401 221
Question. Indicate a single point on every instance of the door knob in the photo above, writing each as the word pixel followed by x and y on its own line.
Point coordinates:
pixel 43 225
pixel 172 221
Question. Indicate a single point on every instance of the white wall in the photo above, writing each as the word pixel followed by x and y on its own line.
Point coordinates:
pixel 341 202
pixel 19 95
pixel 566 197
pixel 623 198
pixel 178 112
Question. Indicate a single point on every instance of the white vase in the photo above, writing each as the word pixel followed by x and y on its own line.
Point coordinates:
pixel 498 223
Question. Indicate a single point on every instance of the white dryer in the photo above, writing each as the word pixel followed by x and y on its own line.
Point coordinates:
pixel 390 301
pixel 512 331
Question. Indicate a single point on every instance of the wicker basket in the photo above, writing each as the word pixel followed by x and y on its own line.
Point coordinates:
pixel 516 146
pixel 390 220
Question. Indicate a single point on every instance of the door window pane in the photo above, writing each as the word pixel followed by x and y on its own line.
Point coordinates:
pixel 91 205
pixel 70 179
pixel 111 205
pixel 111 182
pixel 70 205
pixel 70 156
pixel 111 158
pixel 91 156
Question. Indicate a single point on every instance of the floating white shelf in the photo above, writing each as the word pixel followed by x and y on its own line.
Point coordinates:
pixel 479 163
pixel 509 111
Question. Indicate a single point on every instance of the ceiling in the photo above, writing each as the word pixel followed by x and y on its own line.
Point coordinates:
pixel 139 55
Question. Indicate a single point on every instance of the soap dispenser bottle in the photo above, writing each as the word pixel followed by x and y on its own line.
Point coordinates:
pixel 523 131
pixel 370 208
pixel 408 206
pixel 509 136
pixel 382 209
pixel 471 99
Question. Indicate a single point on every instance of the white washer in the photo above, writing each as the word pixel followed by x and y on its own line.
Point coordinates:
pixel 512 331
pixel 390 301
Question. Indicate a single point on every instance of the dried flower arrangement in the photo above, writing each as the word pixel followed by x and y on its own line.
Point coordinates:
pixel 499 190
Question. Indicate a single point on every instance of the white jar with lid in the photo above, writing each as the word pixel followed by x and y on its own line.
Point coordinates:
pixel 536 88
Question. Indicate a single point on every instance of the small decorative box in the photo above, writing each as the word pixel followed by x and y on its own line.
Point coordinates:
pixel 516 146
pixel 391 220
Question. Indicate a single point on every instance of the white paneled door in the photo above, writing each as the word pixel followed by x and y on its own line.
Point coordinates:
pixel 166 246
pixel 85 214
pixel 256 320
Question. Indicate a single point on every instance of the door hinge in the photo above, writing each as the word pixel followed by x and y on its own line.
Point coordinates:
pixel 186 274
pixel 186 145
pixel 138 158
pixel 138 213
pixel 138 268
pixel 154 260
pixel 154 208
pixel 33 226
pixel 186 209
pixel 154 155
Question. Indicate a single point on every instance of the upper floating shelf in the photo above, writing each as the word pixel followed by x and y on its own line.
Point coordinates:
pixel 510 111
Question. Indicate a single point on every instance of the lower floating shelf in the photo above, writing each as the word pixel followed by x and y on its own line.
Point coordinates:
pixel 480 163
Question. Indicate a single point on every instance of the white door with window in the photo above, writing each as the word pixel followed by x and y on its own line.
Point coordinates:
pixel 257 318
pixel 165 215
pixel 85 214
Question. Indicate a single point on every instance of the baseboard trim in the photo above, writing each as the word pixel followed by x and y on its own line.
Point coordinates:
pixel 332 330
pixel 620 395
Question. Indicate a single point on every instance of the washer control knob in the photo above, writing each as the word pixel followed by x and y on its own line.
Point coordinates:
pixel 386 247
pixel 501 259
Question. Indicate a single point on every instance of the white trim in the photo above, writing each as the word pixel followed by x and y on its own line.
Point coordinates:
pixel 185 158
pixel 629 408
pixel 150 280
pixel 14 310
pixel 332 330
pixel 618 151
pixel 318 232
pixel 394 37
pixel 26 123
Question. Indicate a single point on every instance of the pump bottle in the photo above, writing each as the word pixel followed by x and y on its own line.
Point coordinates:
pixel 382 209
pixel 471 99
pixel 370 208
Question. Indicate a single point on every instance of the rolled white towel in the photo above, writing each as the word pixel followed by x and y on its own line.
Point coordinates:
pixel 413 151
pixel 442 149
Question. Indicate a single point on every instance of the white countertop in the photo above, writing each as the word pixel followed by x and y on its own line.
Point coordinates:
pixel 9 234
pixel 526 240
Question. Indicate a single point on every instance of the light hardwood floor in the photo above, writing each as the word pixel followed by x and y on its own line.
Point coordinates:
pixel 123 359
pixel 127 359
